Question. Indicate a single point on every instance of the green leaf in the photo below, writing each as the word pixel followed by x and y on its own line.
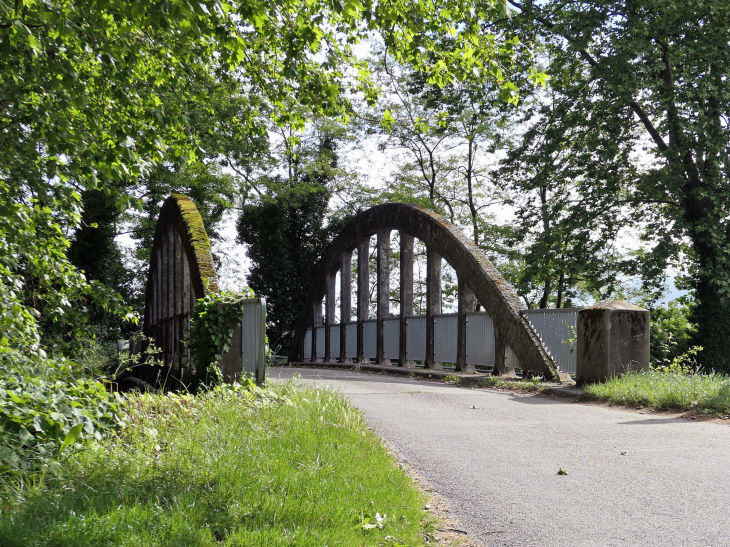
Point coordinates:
pixel 71 437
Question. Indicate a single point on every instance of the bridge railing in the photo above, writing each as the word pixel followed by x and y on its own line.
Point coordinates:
pixel 430 338
pixel 555 327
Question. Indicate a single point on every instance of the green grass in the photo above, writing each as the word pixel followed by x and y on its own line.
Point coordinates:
pixel 283 466
pixel 666 391
pixel 532 385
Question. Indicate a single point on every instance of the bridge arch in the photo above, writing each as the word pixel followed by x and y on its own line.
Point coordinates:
pixel 477 276
pixel 181 271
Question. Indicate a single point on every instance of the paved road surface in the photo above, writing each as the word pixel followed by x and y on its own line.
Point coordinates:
pixel 495 457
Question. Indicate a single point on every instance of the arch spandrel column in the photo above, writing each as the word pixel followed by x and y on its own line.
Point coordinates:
pixel 433 305
pixel 329 316
pixel 406 296
pixel 345 301
pixel 363 294
pixel 316 322
pixel 469 262
pixel 383 293
pixel 466 304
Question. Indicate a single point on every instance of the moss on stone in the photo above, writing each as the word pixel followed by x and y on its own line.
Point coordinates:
pixel 199 241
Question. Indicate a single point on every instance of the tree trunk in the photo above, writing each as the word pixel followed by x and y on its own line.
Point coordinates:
pixel 545 295
pixel 469 182
pixel 561 283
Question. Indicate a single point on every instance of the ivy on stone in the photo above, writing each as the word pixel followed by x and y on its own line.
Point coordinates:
pixel 214 319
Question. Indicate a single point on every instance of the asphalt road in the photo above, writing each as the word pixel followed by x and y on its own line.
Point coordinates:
pixel 633 479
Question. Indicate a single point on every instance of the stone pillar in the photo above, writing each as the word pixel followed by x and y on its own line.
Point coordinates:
pixel 406 295
pixel 329 316
pixel 363 295
pixel 383 288
pixel 433 305
pixel 613 338
pixel 345 301
pixel 466 304
pixel 500 356
pixel 316 322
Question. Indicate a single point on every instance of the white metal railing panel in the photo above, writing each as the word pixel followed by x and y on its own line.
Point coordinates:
pixel 391 337
pixel 479 339
pixel 556 329
pixel 369 339
pixel 351 334
pixel 253 338
pixel 416 338
pixel 511 359
pixel 334 342
pixel 308 345
pixel 320 342
pixel 445 337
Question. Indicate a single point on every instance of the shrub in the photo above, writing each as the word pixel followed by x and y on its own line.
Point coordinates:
pixel 48 407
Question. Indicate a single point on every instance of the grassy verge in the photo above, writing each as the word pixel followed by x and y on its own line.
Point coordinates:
pixel 495 382
pixel 285 466
pixel 662 391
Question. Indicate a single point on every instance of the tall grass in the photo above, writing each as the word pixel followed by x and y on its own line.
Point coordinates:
pixel 281 466
pixel 666 391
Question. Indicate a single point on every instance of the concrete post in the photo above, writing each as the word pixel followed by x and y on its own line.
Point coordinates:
pixel 433 305
pixel 363 295
pixel 316 322
pixel 345 301
pixel 466 304
pixel 329 316
pixel 383 288
pixel 406 296
pixel 613 338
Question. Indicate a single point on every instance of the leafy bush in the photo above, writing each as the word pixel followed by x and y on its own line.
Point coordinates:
pixel 671 331
pixel 47 407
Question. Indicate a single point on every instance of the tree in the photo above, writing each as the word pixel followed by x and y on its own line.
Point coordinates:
pixel 662 67
pixel 93 95
pixel 285 225
pixel 446 134
pixel 568 199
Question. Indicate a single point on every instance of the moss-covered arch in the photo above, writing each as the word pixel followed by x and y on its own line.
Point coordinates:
pixel 181 271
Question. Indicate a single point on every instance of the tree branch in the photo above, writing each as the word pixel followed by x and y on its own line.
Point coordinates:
pixel 643 117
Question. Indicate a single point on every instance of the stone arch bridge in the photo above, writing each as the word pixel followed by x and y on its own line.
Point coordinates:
pixel 477 277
